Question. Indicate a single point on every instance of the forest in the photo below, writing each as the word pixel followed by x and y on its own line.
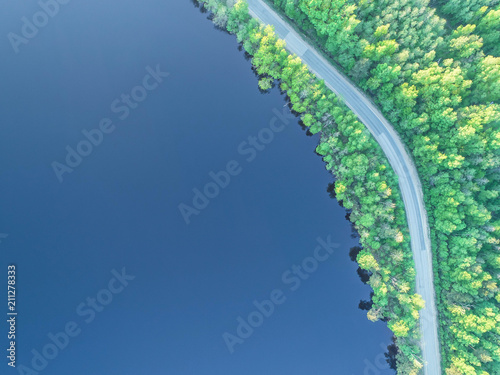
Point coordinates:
pixel 435 74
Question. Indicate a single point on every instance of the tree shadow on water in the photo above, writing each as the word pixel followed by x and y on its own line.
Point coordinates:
pixel 354 251
pixel 364 275
pixel 392 352
pixel 331 190
pixel 366 304
pixel 199 5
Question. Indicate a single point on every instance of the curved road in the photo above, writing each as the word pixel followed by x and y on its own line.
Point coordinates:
pixel 409 182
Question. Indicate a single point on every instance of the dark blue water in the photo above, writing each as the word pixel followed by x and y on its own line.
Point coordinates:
pixel 188 284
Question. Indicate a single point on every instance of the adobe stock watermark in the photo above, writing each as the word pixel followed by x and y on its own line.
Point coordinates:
pixel 249 148
pixel 122 107
pixel 292 279
pixel 31 25
pixel 87 311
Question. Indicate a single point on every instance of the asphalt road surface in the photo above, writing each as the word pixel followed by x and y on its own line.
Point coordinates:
pixel 399 159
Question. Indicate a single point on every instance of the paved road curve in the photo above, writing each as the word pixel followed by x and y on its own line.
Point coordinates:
pixel 388 139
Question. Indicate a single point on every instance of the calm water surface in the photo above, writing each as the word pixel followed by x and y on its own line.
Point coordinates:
pixel 119 206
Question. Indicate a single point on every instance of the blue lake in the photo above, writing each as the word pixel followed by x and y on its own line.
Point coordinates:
pixel 117 120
